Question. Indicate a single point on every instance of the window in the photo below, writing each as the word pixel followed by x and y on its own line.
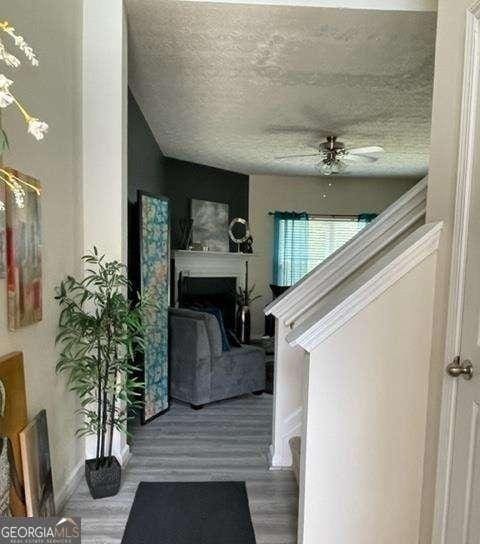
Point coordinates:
pixel 326 235
pixel 302 242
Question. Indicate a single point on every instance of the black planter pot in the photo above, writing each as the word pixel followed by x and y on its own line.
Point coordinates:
pixel 104 480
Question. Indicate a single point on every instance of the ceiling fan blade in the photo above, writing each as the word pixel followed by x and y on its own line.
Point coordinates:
pixel 359 158
pixel 298 156
pixel 366 150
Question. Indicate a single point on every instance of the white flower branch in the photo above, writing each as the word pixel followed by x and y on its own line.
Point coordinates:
pixel 20 42
pixel 35 127
pixel 17 185
pixel 9 59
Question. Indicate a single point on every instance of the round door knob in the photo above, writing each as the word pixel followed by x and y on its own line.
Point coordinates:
pixel 458 368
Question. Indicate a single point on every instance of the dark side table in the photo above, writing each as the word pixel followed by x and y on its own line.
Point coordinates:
pixel 267 343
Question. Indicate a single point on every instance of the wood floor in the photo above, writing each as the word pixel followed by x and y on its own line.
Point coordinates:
pixel 223 441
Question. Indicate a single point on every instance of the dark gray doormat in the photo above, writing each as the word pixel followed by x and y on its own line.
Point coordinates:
pixel 190 513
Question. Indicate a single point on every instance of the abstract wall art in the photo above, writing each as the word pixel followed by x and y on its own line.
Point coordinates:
pixel 210 224
pixel 24 256
pixel 13 419
pixel 37 468
pixel 154 230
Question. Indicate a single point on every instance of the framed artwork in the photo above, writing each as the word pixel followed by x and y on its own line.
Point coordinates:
pixel 154 215
pixel 210 224
pixel 13 419
pixel 24 257
pixel 37 469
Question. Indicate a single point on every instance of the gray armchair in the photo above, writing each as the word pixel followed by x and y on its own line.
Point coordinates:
pixel 200 372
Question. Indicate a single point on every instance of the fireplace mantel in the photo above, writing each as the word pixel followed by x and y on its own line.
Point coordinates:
pixel 188 254
pixel 214 264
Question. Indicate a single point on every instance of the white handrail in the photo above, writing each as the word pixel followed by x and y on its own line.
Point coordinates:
pixel 339 307
pixel 391 223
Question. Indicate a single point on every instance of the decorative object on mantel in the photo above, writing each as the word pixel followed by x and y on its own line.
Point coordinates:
pixel 154 232
pixel 247 246
pixel 24 256
pixel 244 299
pixel 185 233
pixel 37 468
pixel 239 232
pixel 100 333
pixel 210 224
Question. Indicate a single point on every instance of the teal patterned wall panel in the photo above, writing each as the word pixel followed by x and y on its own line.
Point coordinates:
pixel 155 265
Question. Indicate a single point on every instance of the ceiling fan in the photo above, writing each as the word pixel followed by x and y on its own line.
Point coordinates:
pixel 335 157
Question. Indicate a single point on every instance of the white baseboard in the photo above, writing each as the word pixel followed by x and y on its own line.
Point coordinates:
pixel 274 461
pixel 125 456
pixel 69 486
pixel 281 456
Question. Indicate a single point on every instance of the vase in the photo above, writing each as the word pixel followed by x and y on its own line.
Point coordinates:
pixel 243 324
pixel 103 480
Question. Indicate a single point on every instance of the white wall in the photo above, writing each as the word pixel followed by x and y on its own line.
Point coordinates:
pixel 104 102
pixel 440 206
pixel 51 91
pixel 105 127
pixel 270 193
pixel 80 90
pixel 288 397
pixel 362 455
pixel 289 368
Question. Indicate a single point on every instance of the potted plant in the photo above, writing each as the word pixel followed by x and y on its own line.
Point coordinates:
pixel 100 333
pixel 244 299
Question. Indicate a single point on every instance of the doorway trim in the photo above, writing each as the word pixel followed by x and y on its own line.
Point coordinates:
pixel 468 122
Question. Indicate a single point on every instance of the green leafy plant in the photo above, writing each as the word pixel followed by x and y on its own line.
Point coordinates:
pixel 100 334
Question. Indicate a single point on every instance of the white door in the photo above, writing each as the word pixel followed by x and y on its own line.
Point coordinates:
pixel 463 518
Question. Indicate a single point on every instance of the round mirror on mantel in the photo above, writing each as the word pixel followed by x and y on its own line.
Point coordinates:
pixel 239 231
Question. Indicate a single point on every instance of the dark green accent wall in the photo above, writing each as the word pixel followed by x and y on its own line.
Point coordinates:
pixel 146 163
pixel 149 170
pixel 146 173
pixel 186 180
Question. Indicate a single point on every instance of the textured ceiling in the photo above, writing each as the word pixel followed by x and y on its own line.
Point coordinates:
pixel 234 86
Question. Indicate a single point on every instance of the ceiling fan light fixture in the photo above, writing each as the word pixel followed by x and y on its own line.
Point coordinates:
pixel 331 167
pixel 335 157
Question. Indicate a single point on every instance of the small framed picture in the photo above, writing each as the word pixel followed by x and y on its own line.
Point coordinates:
pixel 37 468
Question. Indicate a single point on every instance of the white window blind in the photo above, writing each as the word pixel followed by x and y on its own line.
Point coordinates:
pixel 326 235
pixel 302 242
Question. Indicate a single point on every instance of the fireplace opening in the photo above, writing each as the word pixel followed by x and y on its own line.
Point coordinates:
pixel 200 292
